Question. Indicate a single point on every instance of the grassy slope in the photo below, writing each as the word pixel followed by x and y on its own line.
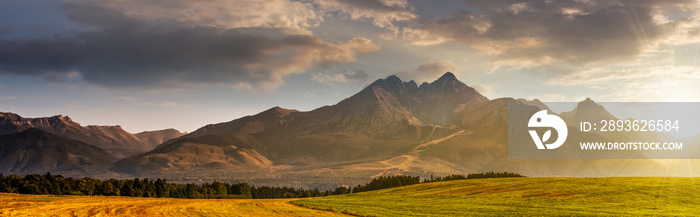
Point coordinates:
pixel 526 196
pixel 47 205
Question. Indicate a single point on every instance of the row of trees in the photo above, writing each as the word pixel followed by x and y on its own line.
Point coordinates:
pixel 387 182
pixel 402 180
pixel 492 175
pixel 59 185
pixel 286 192
pixel 446 178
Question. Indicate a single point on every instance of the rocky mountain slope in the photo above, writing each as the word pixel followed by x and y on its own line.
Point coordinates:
pixel 157 137
pixel 114 139
pixel 37 151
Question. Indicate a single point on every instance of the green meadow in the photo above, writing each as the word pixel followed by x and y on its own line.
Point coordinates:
pixel 673 196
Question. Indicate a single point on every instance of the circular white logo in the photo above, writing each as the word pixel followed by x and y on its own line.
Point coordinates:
pixel 542 119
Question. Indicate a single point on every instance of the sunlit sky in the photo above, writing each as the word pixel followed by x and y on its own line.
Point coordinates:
pixel 148 65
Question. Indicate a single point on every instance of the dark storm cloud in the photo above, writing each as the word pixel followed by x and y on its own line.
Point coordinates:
pixel 26 56
pixel 115 50
pixel 4 30
pixel 576 32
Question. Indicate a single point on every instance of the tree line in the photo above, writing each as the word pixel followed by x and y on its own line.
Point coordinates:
pixel 59 185
pixel 286 192
pixel 402 180
pixel 472 176
pixel 492 175
pixel 383 182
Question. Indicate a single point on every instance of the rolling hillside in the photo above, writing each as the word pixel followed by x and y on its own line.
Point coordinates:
pixel 613 196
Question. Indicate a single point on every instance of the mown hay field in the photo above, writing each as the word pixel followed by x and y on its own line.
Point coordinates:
pixel 48 205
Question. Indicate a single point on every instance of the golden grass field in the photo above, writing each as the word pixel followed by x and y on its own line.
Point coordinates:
pixel 608 196
pixel 49 205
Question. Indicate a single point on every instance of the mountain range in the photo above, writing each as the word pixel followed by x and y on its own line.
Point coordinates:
pixel 114 139
pixel 389 127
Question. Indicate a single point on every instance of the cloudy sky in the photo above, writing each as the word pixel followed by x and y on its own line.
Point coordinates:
pixel 149 65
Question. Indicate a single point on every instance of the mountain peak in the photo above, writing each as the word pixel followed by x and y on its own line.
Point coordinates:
pixel 393 78
pixel 61 118
pixel 588 102
pixel 388 81
pixel 449 80
pixel 11 116
pixel 447 76
pixel 279 111
pixel 393 84
pixel 589 111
